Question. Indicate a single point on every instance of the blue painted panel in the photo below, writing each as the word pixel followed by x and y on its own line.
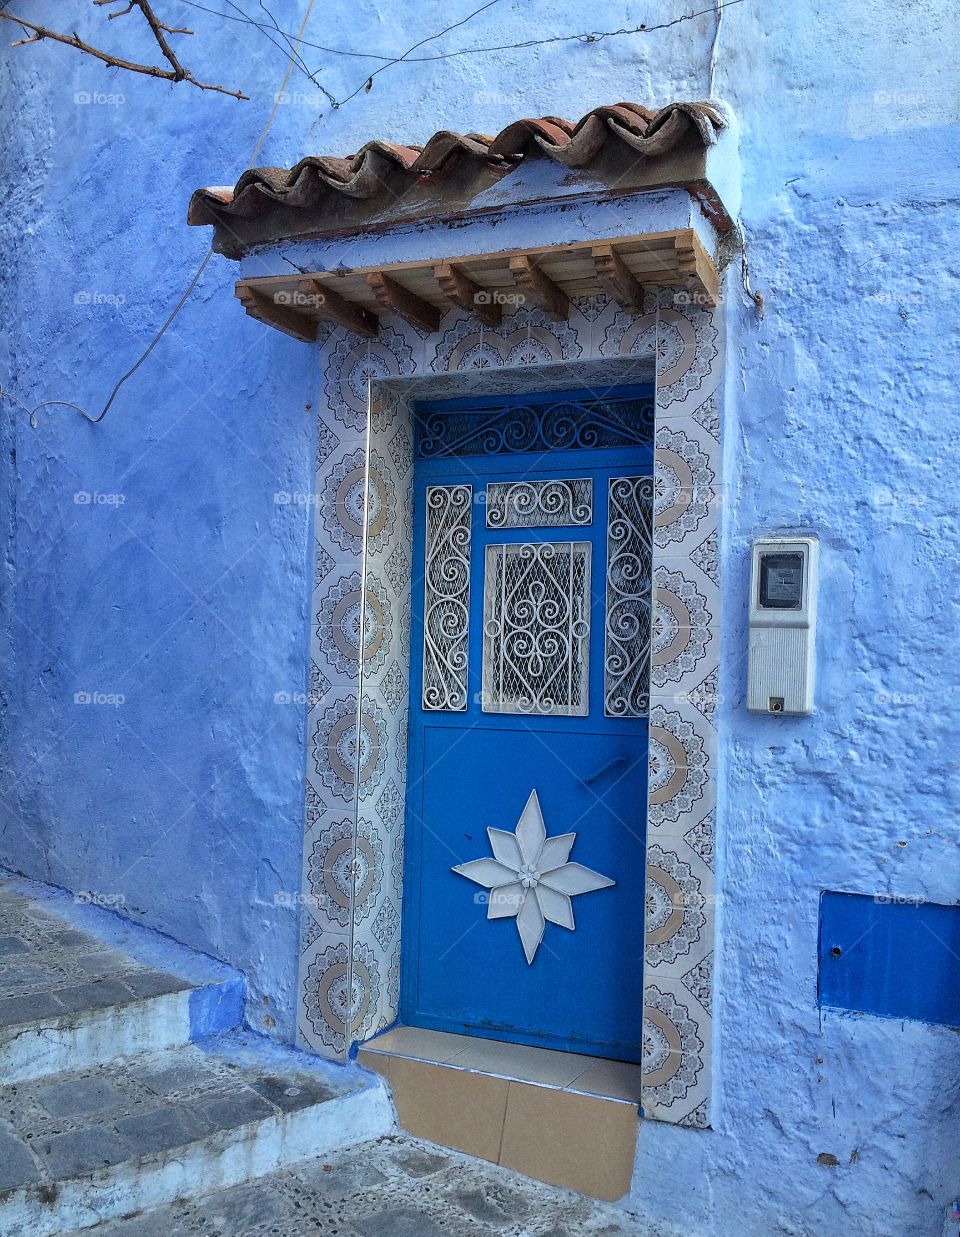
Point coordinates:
pixel 472 770
pixel 584 990
pixel 891 957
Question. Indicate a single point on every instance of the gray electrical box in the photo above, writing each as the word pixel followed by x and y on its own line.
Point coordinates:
pixel 783 623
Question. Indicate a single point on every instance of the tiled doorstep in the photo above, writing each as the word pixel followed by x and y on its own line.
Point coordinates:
pixel 567 1071
pixel 502 1103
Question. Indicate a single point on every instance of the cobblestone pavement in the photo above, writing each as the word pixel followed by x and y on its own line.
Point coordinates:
pixel 394 1187
pixel 48 969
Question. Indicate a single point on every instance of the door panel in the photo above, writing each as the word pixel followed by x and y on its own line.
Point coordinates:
pixel 529 648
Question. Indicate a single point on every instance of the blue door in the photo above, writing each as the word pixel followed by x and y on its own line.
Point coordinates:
pixel 526 801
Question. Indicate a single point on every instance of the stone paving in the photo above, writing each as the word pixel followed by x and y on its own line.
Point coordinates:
pixel 83 1121
pixel 106 1127
pixel 394 1187
pixel 48 968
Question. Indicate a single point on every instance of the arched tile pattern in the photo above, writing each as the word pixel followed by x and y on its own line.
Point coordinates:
pixel 353 876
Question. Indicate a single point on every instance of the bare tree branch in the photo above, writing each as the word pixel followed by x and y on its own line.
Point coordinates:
pixel 176 72
pixel 143 8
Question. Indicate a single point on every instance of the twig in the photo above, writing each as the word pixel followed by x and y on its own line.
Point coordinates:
pixel 176 72
pixel 122 12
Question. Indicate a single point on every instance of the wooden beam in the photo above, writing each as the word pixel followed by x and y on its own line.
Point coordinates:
pixel 457 286
pixel 540 288
pixel 320 299
pixel 270 310
pixel 396 299
pixel 695 264
pixel 620 284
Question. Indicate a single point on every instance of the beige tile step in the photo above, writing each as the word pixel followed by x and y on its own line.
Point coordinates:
pixel 559 1117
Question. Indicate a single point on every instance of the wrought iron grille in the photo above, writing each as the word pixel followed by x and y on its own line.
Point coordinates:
pixel 446 597
pixel 560 424
pixel 540 504
pixel 536 628
pixel 626 658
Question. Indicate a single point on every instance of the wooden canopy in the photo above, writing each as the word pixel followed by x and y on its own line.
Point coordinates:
pixel 483 284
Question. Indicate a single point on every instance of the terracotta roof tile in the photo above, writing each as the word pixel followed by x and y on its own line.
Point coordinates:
pixel 650 134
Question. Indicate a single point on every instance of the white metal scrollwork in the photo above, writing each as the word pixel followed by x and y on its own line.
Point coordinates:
pixel 536 628
pixel 540 504
pixel 446 598
pixel 626 659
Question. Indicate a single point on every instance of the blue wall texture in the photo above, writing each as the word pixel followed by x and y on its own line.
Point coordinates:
pixel 180 584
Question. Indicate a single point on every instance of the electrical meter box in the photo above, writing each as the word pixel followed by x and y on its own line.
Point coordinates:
pixel 783 623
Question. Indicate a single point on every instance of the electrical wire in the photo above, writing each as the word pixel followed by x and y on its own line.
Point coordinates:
pixel 368 82
pixel 585 36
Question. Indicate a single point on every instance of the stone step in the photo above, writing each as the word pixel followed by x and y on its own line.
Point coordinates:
pixel 89 1145
pixel 81 986
pixel 394 1187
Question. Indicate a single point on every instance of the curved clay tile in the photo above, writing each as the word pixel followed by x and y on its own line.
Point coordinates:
pixel 445 144
pixel 363 175
pixel 670 125
pixel 522 135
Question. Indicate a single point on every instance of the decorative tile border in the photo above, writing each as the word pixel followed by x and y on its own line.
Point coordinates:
pixel 353 877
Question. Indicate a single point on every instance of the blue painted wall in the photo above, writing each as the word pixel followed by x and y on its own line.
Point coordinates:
pixel 840 419
pixel 891 956
pixel 146 556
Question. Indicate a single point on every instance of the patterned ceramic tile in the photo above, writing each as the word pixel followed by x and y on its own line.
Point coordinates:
pixel 685 621
pixel 685 345
pixel 676 1051
pixel 340 621
pixel 344 865
pixel 350 364
pixel 680 905
pixel 682 763
pixel 687 491
pixel 343 499
pixel 340 990
pixel 341 751
pixel 525 337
